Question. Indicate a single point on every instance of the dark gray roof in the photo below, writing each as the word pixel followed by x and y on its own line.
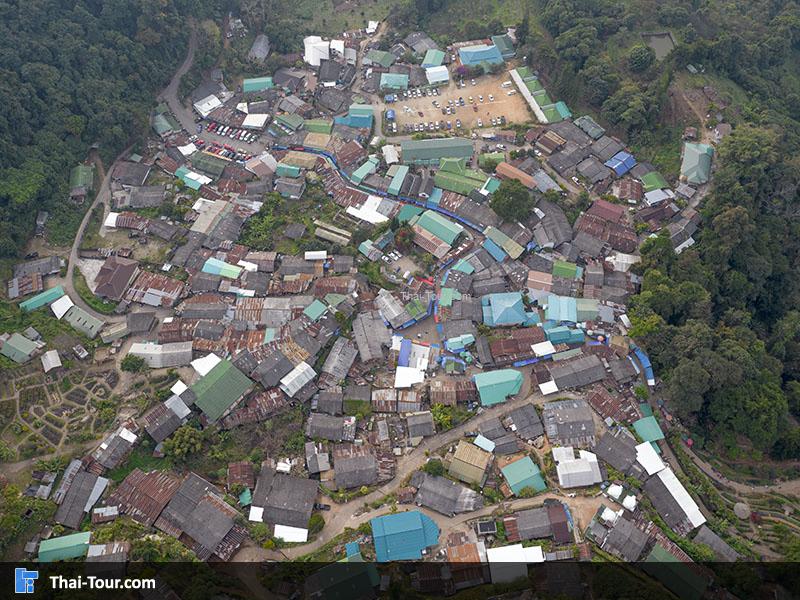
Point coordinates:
pixel 330 401
pixel 272 369
pixel 446 496
pixel 492 428
pixel 534 523
pixel 666 505
pixel 211 310
pixel 622 370
pixel 527 422
pixel 43 266
pixel 355 471
pixel 286 499
pixel 568 422
pixel 70 512
pixel 325 427
pixel 579 372
pixel 617 447
pixel 506 444
pixel 420 425
pixel 626 540
pixel 140 322
pixel 722 551
pixel 161 422
pixel 358 392
pixel 204 282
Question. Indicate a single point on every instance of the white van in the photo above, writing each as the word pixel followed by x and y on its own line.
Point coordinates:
pixel 506 84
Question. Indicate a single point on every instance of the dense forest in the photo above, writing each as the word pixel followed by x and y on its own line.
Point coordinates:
pixel 73 74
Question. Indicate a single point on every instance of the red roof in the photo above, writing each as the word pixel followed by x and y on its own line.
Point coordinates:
pixel 606 210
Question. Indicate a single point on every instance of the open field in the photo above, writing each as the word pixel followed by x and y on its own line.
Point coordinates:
pixel 512 107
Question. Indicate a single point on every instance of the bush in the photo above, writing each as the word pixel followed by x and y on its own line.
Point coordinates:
pixel 133 364
pixel 434 467
pixel 316 523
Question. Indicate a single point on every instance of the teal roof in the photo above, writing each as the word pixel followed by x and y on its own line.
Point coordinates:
pixel 315 310
pixel 18 348
pixel 561 308
pixel 648 429
pixel 430 152
pixel 218 390
pixel 403 536
pixel 364 170
pixel 381 57
pixel 447 296
pixel 284 170
pixel 696 164
pixel 442 227
pixel 524 473
pixel 397 180
pixel 464 267
pixel 504 45
pixel 246 497
pixel 505 308
pixel 433 58
pixel 257 84
pixel 360 110
pixel 216 266
pixel 394 81
pixel 64 547
pixel 480 54
pixel 408 212
pixel 44 298
pixel 495 387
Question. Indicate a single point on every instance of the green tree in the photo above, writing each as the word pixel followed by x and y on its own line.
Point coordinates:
pixel 133 364
pixel 512 201
pixel 442 416
pixel 316 523
pixel 185 441
pixel 640 57
pixel 434 466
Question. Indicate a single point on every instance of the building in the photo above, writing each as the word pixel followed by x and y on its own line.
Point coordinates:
pixel 469 463
pixel 403 536
pixel 522 474
pixel 569 423
pixel 504 309
pixel 696 163
pixel 437 75
pixel 159 356
pixel 495 387
pixel 66 547
pixel 220 389
pixel 394 82
pixel 259 51
pixel 115 276
pixel 284 501
pixel 430 152
pixel 354 466
pixel 315 50
pixel 18 348
pixel 675 505
pixel 480 55
pixel 580 471
pixel 446 497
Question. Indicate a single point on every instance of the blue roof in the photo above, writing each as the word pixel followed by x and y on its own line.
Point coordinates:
pixel 403 536
pixel 621 163
pixel 495 251
pixel 479 54
pixel 351 548
pixel 503 309
pixel 405 353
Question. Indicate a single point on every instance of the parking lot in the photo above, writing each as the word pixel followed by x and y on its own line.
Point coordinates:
pixel 512 107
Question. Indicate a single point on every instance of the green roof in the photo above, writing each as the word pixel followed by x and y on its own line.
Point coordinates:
pixel 653 181
pixel 64 547
pixel 495 387
pixel 696 164
pixel 18 348
pixel 394 81
pixel 82 321
pixel 219 389
pixel 319 126
pixel 163 123
pixel 42 299
pixel 512 248
pixel 360 110
pixel 82 175
pixel 459 183
pixel 430 152
pixel 443 228
pixel 648 429
pixel 284 170
pixel 315 310
pixel 562 268
pixel 408 212
pixel 679 578
pixel 447 296
pixel 504 44
pixel 490 157
pixel 381 57
pixel 257 84
pixel 433 58
pixel 291 121
pixel 210 165
pixel 524 473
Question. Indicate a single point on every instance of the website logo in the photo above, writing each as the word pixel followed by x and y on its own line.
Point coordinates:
pixel 24 580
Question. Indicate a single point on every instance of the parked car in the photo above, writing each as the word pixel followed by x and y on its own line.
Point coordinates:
pixel 480 123
pixel 322 506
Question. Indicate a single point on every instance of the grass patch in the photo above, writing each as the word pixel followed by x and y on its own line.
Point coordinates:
pixel 141 458
pixel 101 306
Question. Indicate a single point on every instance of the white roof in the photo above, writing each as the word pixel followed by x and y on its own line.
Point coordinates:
pixel 316 255
pixel 657 196
pixel 629 503
pixel 111 220
pixel 681 496
pixel 338 46
pixel 291 534
pixel 203 365
pixel 248 266
pixel 405 377
pixel 622 262
pixel 515 554
pixel 614 490
pixel 563 454
pixel 127 435
pixel 316 49
pixel 61 306
pixel 252 121
pixel 484 443
pixel 543 348
pixel 256 514
pixel 207 104
pixel 369 211
pixel 372 27
pixel 608 515
pixel 437 74
pixel 178 388
pixel 578 472
pixel 548 387
pixel 390 154
pixel 177 406
pixel 187 149
pixel 50 360
pixel 242 107
pixel 293 381
pixel 647 456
